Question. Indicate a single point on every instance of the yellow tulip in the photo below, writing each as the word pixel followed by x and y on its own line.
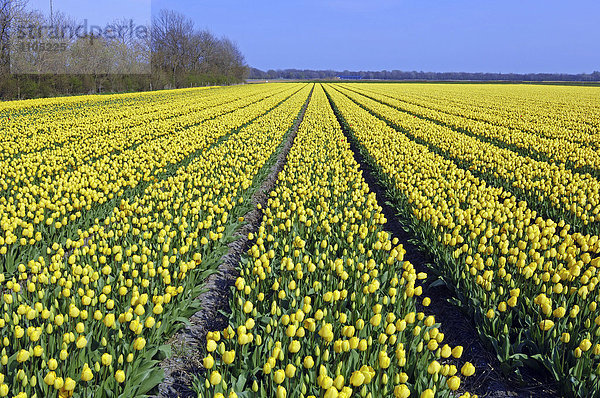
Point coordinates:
pixel 120 376
pixel 281 392
pixel 22 356
pixel 428 393
pixel 401 391
pixel 69 384
pixel 106 359
pixel 208 362
pixel 279 376
pixel 546 325
pixel 453 383
pixel 468 369
pixel 215 378
pixel 228 357
pixel 139 343
pixel 86 373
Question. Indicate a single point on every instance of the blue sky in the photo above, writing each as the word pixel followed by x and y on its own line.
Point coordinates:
pixel 99 12
pixel 462 35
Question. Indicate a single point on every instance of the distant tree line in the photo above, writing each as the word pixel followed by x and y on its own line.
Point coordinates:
pixel 43 56
pixel 404 75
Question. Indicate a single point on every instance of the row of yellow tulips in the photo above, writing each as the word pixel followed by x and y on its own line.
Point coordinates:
pixel 530 284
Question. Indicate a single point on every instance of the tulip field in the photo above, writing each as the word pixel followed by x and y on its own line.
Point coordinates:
pixel 115 209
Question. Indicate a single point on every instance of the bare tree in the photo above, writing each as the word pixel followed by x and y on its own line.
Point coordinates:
pixel 189 56
pixel 10 12
pixel 172 42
